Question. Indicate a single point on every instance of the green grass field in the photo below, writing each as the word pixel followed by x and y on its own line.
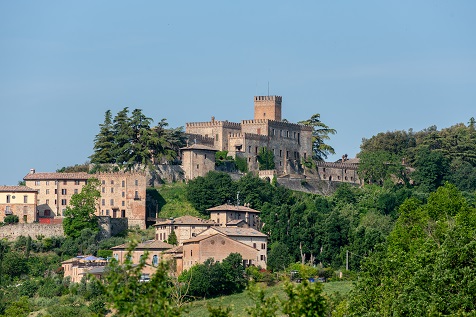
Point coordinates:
pixel 239 302
pixel 173 202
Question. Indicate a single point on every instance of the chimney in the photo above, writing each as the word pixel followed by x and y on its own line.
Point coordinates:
pixel 32 171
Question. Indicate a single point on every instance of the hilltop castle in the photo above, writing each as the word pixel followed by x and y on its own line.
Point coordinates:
pixel 289 142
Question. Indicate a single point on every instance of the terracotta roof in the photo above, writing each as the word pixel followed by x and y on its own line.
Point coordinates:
pixel 55 176
pixel 198 147
pixel 17 189
pixel 177 249
pixel 227 207
pixel 200 238
pixel 354 160
pixel 236 231
pixel 151 244
pixel 235 222
pixel 187 220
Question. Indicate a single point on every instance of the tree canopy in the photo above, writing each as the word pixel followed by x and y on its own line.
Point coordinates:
pixel 320 135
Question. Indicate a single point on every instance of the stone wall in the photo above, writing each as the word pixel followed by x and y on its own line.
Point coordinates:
pixel 33 230
pixel 313 186
pixel 165 174
pixel 112 226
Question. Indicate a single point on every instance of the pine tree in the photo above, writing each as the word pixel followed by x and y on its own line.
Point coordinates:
pixel 122 134
pixel 104 142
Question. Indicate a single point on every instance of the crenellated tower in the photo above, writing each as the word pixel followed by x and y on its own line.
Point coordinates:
pixel 268 107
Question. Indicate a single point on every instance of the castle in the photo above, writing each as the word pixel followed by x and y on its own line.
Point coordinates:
pixel 289 142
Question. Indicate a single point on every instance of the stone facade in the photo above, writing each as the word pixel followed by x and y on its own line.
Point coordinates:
pixel 185 227
pixel 289 142
pixel 345 172
pixel 19 201
pixel 11 232
pixel 225 214
pixel 197 160
pixel 217 247
pixel 123 194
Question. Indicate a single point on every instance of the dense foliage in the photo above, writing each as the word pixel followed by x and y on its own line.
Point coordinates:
pixel 320 134
pixel 129 140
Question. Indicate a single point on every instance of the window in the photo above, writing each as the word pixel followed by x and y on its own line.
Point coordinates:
pixel 191 252
pixel 103 189
pixel 56 191
pixel 47 182
pixel 116 256
pixel 65 182
pixel 76 182
pixel 287 134
pixel 254 245
pixel 75 190
pixel 123 183
pixel 123 203
pixel 47 201
pixel 63 202
pixel 37 183
pixel 198 166
pixel 155 260
pixel 63 191
pixel 137 182
pixel 280 153
pixel 112 202
pixel 263 246
pixel 107 212
pixel 103 202
pixel 47 213
pixel 123 194
pixel 56 182
pixel 8 210
pixel 8 199
pixel 55 201
pixel 47 192
pixel 274 132
pixel 262 257
pixel 112 190
pixel 25 199
pixel 249 149
pixel 112 182
pixel 103 182
pixel 216 137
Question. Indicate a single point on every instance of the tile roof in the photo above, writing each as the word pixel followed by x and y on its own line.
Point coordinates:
pixel 176 249
pixel 198 147
pixel 149 245
pixel 200 238
pixel 55 176
pixel 187 220
pixel 227 207
pixel 235 222
pixel 237 231
pixel 16 189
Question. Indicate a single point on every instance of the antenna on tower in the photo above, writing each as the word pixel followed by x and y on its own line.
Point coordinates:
pixel 268 88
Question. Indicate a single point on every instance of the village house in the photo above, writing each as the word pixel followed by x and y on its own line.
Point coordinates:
pixel 76 268
pixel 19 201
pixel 123 194
pixel 185 227
pixel 216 246
pixel 228 215
pixel 153 248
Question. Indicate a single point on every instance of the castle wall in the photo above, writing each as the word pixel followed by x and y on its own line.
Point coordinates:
pixel 338 172
pixel 217 130
pixel 33 230
pixel 197 162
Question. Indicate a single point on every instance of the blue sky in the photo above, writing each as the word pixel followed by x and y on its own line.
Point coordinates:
pixel 365 66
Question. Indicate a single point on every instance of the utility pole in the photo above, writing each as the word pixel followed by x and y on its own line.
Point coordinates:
pixel 347 260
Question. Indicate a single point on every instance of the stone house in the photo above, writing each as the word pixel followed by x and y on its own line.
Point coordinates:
pixel 185 227
pixel 251 237
pixel 343 171
pixel 289 142
pixel 227 215
pixel 123 194
pixel 216 246
pixel 153 248
pixel 76 268
pixel 19 201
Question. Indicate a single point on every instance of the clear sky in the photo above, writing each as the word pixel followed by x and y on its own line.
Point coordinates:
pixel 365 66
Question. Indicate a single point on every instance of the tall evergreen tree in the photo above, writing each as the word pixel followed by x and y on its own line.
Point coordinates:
pixel 104 142
pixel 140 139
pixel 320 134
pixel 122 134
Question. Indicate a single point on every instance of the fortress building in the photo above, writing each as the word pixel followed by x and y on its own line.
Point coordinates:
pixel 289 142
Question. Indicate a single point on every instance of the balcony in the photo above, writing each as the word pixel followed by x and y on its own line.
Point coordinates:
pixel 8 212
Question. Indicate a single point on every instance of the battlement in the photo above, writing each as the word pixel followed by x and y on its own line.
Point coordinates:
pixel 201 139
pixel 278 99
pixel 225 124
pixel 277 124
pixel 351 166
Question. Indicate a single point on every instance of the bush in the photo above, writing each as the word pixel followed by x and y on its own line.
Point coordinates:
pixel 10 219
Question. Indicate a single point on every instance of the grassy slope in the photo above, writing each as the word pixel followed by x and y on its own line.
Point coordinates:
pixel 241 301
pixel 173 201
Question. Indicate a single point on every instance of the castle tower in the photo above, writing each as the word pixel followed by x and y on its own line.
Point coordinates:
pixel 268 107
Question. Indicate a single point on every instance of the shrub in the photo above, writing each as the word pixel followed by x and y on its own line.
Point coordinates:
pixel 10 219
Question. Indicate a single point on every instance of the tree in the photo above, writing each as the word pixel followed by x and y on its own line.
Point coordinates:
pixel 263 307
pixel 265 159
pixel 140 140
pixel 104 142
pixel 212 190
pixel 128 296
pixel 80 214
pixel 320 134
pixel 378 166
pixel 279 257
pixel 304 300
pixel 172 238
pixel 431 169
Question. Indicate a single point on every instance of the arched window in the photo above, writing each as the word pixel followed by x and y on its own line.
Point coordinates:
pixel 155 260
